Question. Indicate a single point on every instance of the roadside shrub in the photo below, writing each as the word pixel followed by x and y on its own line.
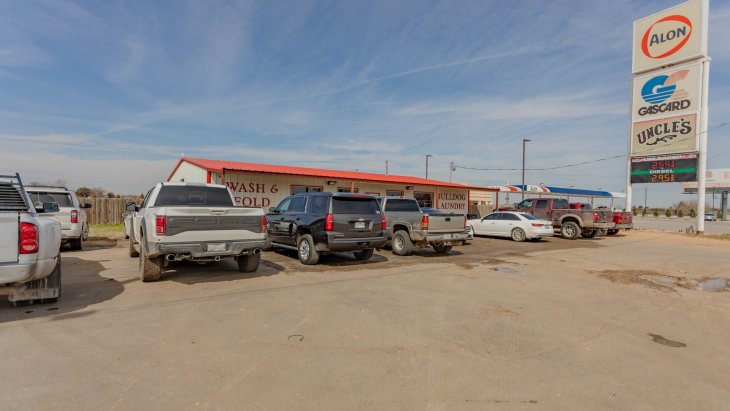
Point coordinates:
pixel 643 212
pixel 656 212
pixel 668 212
pixel 692 213
pixel 680 213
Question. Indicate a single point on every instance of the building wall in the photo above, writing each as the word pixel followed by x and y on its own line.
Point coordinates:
pixel 190 173
pixel 267 190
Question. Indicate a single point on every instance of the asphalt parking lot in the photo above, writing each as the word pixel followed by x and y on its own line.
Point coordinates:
pixel 680 225
pixel 614 322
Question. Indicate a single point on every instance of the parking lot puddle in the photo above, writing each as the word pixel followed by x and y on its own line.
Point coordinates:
pixel 713 284
pixel 664 341
pixel 505 270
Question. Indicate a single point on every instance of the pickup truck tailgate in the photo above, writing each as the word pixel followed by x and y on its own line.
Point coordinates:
pixel 8 237
pixel 446 223
pixel 212 224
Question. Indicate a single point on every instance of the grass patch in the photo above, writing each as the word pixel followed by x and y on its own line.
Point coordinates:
pixel 106 230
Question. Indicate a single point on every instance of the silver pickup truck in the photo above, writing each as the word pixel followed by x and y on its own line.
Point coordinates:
pixel 30 263
pixel 197 222
pixel 407 226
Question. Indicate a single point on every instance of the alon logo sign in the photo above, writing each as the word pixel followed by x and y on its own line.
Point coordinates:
pixel 666 37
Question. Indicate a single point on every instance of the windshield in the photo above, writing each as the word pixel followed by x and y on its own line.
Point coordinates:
pixel 40 197
pixel 353 205
pixel 193 196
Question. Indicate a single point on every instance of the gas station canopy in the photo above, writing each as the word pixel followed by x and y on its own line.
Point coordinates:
pixel 559 191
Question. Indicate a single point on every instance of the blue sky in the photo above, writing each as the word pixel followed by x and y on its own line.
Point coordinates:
pixel 111 93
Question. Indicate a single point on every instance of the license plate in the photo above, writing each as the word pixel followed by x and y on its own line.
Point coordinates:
pixel 216 247
pixel 447 236
pixel 360 225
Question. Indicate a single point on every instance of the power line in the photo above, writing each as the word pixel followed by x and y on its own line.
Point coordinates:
pixel 589 161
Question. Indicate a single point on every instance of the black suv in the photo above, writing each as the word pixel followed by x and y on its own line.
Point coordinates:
pixel 315 223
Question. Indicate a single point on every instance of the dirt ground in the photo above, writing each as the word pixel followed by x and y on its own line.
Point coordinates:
pixel 610 323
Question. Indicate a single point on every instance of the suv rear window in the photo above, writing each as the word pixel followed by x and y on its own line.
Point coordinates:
pixel 401 205
pixel 353 205
pixel 62 199
pixel 193 196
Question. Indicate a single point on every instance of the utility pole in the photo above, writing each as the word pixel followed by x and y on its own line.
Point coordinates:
pixel 524 143
pixel 451 170
pixel 427 156
pixel 386 167
pixel 646 189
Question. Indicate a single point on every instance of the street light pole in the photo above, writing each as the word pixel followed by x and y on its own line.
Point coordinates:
pixel 524 143
pixel 451 172
pixel 427 156
pixel 645 191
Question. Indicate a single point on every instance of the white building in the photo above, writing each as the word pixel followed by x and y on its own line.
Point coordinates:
pixel 264 185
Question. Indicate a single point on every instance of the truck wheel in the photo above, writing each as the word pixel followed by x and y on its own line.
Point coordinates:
pixel 589 233
pixel 364 255
pixel 570 230
pixel 267 245
pixel 75 244
pixel 441 248
pixel 54 281
pixel 305 250
pixel 402 244
pixel 612 232
pixel 150 269
pixel 249 263
pixel 85 232
pixel 518 234
pixel 602 232
pixel 132 251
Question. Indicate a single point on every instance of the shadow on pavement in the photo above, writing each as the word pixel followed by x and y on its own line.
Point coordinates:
pixel 82 286
pixel 189 272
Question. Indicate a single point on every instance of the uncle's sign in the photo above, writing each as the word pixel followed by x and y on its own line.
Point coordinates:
pixel 672 36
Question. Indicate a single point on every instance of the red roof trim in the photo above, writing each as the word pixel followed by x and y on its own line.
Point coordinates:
pixel 219 166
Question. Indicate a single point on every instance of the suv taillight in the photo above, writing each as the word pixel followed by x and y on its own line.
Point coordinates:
pixel 383 222
pixel 160 224
pixel 263 223
pixel 424 222
pixel 74 216
pixel 329 222
pixel 595 217
pixel 28 239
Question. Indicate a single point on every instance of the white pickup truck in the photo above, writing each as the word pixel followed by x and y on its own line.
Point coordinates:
pixel 197 222
pixel 30 262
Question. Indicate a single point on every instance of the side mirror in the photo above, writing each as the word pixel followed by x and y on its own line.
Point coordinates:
pixel 273 210
pixel 50 207
pixel 131 207
pixel 87 205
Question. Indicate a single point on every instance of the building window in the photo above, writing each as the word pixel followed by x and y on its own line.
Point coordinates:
pixel 424 199
pixel 394 193
pixel 346 190
pixel 305 189
pixel 371 193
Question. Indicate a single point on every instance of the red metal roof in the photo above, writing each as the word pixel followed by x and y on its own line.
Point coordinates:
pixel 219 165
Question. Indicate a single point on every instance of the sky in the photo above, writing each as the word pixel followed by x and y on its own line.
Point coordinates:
pixel 113 93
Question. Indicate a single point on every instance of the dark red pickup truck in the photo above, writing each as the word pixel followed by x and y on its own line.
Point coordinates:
pixel 621 219
pixel 571 222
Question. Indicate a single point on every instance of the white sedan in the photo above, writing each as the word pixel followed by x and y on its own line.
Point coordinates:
pixel 518 226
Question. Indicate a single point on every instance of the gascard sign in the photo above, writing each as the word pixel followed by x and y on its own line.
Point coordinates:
pixel 667 93
pixel 672 36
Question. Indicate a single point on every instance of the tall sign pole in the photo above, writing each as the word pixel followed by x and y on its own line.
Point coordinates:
pixel 669 100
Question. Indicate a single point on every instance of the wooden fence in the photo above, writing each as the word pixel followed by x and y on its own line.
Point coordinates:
pixel 106 210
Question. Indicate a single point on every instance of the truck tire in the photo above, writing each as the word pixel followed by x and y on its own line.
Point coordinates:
pixel 85 232
pixel 570 230
pixel 76 244
pixel 249 263
pixel 150 269
pixel 612 232
pixel 589 233
pixel 518 234
pixel 54 281
pixel 305 250
pixel 364 255
pixel 441 249
pixel 132 251
pixel 267 245
pixel 402 244
pixel 602 232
